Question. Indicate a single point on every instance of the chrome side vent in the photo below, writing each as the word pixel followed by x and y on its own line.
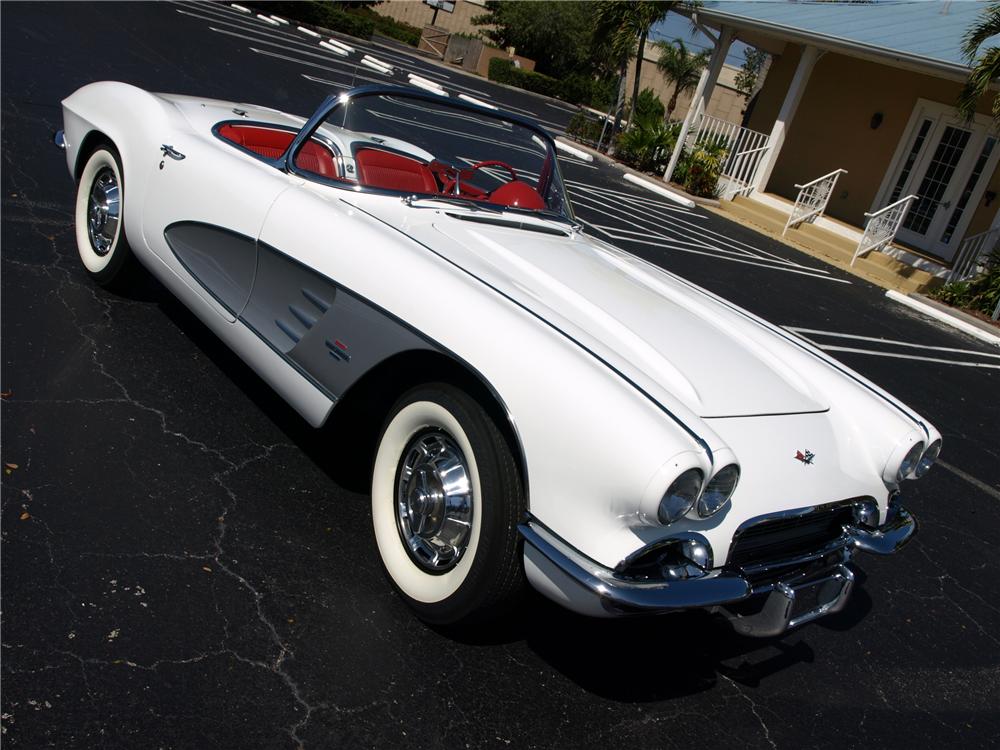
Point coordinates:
pixel 302 316
pixel 294 335
pixel 321 303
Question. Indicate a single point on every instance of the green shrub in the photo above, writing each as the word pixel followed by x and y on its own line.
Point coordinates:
pixel 981 293
pixel 404 32
pixel 648 107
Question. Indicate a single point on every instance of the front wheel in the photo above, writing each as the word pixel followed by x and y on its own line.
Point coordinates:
pixel 446 501
pixel 100 218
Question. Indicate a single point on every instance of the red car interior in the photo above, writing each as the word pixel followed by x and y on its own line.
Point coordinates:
pixel 376 168
pixel 382 169
pixel 271 144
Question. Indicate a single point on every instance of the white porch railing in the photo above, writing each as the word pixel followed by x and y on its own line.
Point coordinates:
pixel 812 199
pixel 972 254
pixel 745 150
pixel 881 227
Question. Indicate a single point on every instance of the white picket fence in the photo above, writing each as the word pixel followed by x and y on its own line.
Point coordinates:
pixel 745 150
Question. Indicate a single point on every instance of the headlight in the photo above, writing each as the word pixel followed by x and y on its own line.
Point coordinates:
pixel 680 496
pixel 719 490
pixel 909 461
pixel 927 460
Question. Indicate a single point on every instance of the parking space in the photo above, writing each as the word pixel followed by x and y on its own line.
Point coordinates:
pixel 185 565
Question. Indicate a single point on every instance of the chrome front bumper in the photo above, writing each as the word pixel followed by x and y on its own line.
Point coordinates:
pixel 764 601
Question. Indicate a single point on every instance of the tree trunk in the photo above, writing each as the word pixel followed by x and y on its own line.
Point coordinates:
pixel 620 104
pixel 638 69
pixel 672 104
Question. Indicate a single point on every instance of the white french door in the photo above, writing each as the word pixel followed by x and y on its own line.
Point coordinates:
pixel 947 163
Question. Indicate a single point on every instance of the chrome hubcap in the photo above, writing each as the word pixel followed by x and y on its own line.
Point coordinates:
pixel 104 211
pixel 434 501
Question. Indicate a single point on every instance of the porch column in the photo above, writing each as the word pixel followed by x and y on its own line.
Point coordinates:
pixel 702 95
pixel 792 98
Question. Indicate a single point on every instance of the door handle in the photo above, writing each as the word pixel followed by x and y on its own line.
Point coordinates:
pixel 171 152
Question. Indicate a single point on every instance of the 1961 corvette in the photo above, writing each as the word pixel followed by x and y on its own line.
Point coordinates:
pixel 552 409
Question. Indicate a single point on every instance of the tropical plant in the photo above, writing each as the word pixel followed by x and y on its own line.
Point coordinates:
pixel 985 66
pixel 981 294
pixel 680 67
pixel 647 145
pixel 624 25
pixel 698 170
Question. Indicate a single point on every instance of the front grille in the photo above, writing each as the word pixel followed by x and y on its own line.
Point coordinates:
pixel 782 538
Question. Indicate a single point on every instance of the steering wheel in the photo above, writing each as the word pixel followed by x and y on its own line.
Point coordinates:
pixel 467 173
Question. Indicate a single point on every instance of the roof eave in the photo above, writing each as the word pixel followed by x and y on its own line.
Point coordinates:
pixel 897 58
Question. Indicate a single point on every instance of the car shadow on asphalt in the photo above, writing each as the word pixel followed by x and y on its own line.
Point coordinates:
pixel 632 660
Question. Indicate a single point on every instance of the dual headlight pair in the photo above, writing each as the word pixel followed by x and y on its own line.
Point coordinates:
pixel 690 491
pixel 918 461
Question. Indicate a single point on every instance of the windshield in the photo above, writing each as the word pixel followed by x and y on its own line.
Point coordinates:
pixel 412 145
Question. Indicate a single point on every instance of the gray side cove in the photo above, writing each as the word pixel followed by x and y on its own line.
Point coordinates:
pixel 328 334
pixel 222 261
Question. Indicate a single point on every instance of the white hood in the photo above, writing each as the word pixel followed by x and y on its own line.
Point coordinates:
pixel 644 323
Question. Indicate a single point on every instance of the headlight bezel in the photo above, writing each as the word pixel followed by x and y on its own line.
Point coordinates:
pixel 694 479
pixel 927 459
pixel 702 507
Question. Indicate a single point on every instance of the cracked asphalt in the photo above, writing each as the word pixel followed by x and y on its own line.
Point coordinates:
pixel 184 565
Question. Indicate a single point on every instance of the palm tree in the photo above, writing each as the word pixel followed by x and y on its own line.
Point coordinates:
pixel 680 67
pixel 625 25
pixel 985 67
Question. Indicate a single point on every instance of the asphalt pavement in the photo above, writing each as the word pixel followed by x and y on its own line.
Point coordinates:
pixel 184 567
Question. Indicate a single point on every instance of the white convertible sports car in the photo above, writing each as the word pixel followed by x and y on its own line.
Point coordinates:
pixel 540 406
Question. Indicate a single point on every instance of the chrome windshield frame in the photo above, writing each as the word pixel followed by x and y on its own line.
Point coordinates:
pixel 331 102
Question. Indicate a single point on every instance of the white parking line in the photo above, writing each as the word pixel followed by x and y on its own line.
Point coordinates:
pixel 897 355
pixel 893 342
pixel 978 483
pixel 709 254
pixel 225 17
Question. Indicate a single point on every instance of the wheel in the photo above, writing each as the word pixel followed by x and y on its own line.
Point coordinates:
pixel 446 501
pixel 100 224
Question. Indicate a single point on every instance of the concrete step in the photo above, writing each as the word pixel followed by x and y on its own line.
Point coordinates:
pixel 834 248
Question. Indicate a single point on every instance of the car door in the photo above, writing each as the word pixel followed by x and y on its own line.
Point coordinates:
pixel 203 210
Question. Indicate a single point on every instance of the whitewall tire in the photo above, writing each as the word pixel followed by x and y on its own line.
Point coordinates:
pixel 446 501
pixel 100 219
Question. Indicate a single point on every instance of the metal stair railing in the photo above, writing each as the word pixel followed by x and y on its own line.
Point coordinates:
pixel 882 225
pixel 972 254
pixel 811 201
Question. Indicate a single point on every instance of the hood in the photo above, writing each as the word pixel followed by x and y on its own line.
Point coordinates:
pixel 653 328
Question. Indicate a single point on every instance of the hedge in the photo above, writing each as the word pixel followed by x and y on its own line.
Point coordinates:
pixel 503 70
pixel 361 23
pixel 577 88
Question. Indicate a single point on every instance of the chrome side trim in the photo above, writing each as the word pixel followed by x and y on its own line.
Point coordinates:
pixel 630 597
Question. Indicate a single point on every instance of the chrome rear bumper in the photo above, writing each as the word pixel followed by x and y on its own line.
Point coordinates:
pixel 763 601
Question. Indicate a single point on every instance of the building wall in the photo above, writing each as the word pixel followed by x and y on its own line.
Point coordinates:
pixel 726 103
pixel 419 14
pixel 832 128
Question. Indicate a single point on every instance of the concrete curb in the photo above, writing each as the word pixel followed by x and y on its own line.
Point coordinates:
pixel 659 190
pixel 948 317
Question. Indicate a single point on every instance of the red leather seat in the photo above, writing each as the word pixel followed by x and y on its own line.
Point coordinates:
pixel 271 143
pixel 382 169
pixel 518 195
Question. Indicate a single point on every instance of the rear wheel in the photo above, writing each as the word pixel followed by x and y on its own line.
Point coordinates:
pixel 100 218
pixel 446 501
